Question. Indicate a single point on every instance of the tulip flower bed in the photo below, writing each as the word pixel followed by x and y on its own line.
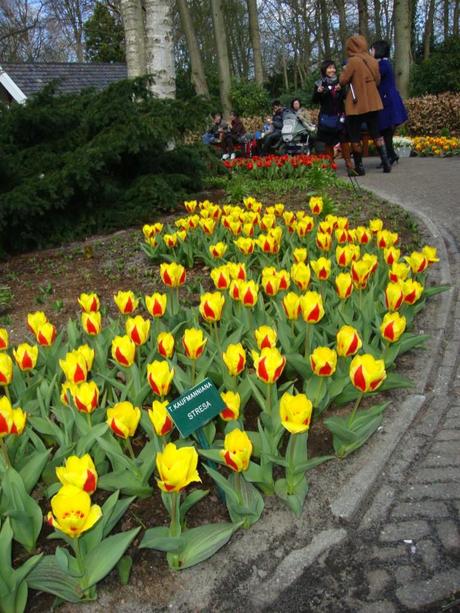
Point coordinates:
pixel 439 146
pixel 280 166
pixel 306 318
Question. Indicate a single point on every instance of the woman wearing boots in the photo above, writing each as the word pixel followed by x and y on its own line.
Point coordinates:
pixel 362 101
pixel 394 112
pixel 331 120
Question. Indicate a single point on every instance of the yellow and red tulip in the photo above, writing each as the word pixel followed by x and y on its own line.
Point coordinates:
pixel 316 204
pixel 89 303
pixel 323 241
pixel 295 412
pixel 367 373
pixel 85 396
pixel 285 279
pixel 391 255
pixel 46 334
pixel 138 329
pixel 193 342
pixel 348 341
pixel 232 403
pixel 234 358
pixel 412 290
pixel 173 274
pixel 237 450
pixel 79 472
pixel 394 296
pixel 211 305
pixel 3 339
pixel 74 366
pixel 221 277
pixel 344 285
pixel 301 275
pixel 218 250
pixel 245 245
pixel 126 302
pixel 72 512
pixel 417 261
pixel 160 376
pixel 375 225
pixel 165 344
pixel 123 419
pixel 271 284
pixel 160 418
pixel 304 226
pixel 156 304
pixel 269 364
pixel 386 239
pixel 363 235
pixel 177 467
pixel 392 327
pixel 91 322
pixel 170 240
pixel 323 361
pixel 322 268
pixel 431 254
pixel 398 272
pixel 12 421
pixel 35 320
pixel 360 273
pixel 88 355
pixel 300 254
pixel 26 356
pixel 237 270
pixel 249 293
pixel 265 337
pixel 311 305
pixel 291 305
pixel 123 350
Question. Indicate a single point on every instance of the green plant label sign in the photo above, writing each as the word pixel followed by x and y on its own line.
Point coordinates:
pixel 195 407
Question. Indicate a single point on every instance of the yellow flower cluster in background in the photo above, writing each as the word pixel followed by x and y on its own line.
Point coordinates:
pixel 437 145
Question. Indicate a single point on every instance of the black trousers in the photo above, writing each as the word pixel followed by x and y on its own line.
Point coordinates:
pixel 354 123
pixel 388 134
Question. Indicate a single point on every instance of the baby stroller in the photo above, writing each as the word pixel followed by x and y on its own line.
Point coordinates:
pixel 295 138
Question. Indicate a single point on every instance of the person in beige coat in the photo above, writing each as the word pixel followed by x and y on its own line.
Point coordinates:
pixel 362 101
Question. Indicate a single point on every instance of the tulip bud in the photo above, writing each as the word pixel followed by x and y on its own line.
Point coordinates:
pixel 26 356
pixel 323 361
pixel 123 350
pixel 173 274
pixel 322 268
pixel 235 289
pixel 375 225
pixel 412 290
pixel 88 355
pixel 344 285
pixel 138 329
pixel 3 339
pixel 398 272
pixel 394 296
pixel 67 392
pixel 211 305
pixel 126 302
pixel 367 373
pixel 123 419
pixel 89 303
pixel 85 396
pixel 245 245
pixel 160 418
pixel 237 270
pixel 269 364
pixel 284 279
pixel 291 305
pixel 35 320
pixel 218 250
pixel 237 450
pixel 304 226
pixel 392 327
pixel 386 239
pixel 72 512
pixel 79 472
pixel 235 359
pixel 160 376
pixel 91 322
pixel 12 421
pixel 431 254
pixel 271 285
pixel 156 304
pixel 74 367
pixel 417 261
pixel 190 205
pixel 300 254
pixel 363 235
pixel 46 334
pixel 177 467
pixel 193 342
pixel 316 204
pixel 170 240
pixel 165 344
pixel 301 274
pixel 249 293
pixel 323 241
pixel 232 403
pixel 311 305
pixel 348 341
pixel 265 337
pixel 360 272
pixel 295 412
pixel 391 255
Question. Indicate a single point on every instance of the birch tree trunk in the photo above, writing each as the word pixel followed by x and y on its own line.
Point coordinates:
pixel 160 47
pixel 255 41
pixel 403 58
pixel 428 30
pixel 222 56
pixel 133 23
pixel 198 76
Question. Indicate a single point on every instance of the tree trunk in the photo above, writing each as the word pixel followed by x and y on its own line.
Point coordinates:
pixel 340 6
pixel 446 19
pixel 198 76
pixel 402 26
pixel 455 31
pixel 325 27
pixel 363 15
pixel 428 30
pixel 222 56
pixel 377 20
pixel 255 41
pixel 160 47
pixel 133 23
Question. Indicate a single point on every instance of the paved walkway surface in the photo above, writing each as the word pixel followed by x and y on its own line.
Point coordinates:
pixel 402 550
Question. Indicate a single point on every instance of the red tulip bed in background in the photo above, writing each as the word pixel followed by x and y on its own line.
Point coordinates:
pixel 306 314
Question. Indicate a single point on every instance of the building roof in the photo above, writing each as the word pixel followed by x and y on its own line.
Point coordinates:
pixel 31 78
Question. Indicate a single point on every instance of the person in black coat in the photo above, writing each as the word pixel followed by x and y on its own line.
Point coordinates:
pixel 330 95
pixel 271 140
pixel 232 136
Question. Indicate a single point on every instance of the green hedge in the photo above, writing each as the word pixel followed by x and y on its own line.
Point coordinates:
pixel 94 162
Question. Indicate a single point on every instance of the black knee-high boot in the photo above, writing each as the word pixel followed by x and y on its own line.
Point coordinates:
pixel 358 160
pixel 384 157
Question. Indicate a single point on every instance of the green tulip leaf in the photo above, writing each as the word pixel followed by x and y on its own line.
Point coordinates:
pixel 48 577
pixel 126 482
pixel 159 538
pixel 293 497
pixel 223 483
pixel 201 543
pixel 190 500
pixel 124 567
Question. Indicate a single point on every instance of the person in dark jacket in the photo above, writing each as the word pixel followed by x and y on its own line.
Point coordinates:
pixel 362 101
pixel 214 134
pixel 394 112
pixel 232 136
pixel 270 140
pixel 329 94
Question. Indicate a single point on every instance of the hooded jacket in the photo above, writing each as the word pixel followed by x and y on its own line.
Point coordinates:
pixel 362 72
